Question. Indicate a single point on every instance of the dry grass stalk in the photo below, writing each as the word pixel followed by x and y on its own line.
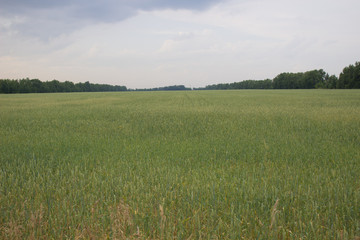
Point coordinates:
pixel 274 211
pixel 162 221
pixel 122 223
pixel 12 230
pixel 33 228
pixel 121 220
pixel 37 224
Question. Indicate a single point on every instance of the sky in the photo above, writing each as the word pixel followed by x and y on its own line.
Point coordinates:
pixel 155 43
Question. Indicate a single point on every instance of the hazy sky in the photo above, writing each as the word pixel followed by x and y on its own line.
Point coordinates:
pixel 153 43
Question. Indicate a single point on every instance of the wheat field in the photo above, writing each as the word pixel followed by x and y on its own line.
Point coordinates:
pixel 248 164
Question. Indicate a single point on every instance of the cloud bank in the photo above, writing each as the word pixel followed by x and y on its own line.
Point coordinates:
pixel 152 43
pixel 45 19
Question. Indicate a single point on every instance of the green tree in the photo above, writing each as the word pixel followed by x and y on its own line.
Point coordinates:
pixel 313 78
pixel 329 82
pixel 9 86
pixel 350 77
pixel 288 81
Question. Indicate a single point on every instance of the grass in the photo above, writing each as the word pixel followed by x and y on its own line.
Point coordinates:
pixel 181 165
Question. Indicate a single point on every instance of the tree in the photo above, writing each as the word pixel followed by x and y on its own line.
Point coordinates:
pixel 25 86
pixel 329 82
pixel 288 81
pixel 36 86
pixel 69 86
pixel 313 78
pixel 307 80
pixel 350 77
pixel 9 86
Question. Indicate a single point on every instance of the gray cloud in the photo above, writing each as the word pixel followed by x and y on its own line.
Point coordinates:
pixel 106 10
pixel 199 4
pixel 44 19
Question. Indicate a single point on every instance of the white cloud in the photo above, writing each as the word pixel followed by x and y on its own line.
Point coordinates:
pixel 168 45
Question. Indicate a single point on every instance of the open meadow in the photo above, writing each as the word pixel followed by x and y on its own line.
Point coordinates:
pixel 248 164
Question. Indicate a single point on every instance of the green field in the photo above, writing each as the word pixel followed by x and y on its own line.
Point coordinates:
pixel 181 165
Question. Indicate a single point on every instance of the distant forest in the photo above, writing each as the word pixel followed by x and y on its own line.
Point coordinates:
pixel 349 78
pixel 168 88
pixel 36 86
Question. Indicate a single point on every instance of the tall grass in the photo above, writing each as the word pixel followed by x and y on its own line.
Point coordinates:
pixel 181 165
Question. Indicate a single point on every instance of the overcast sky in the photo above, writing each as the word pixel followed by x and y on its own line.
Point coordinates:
pixel 154 43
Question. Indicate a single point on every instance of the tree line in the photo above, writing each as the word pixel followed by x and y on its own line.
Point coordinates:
pixel 167 88
pixel 36 86
pixel 348 78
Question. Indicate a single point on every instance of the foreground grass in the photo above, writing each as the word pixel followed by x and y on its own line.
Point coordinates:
pixel 181 165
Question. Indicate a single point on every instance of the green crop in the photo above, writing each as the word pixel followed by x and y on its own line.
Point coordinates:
pixel 248 164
